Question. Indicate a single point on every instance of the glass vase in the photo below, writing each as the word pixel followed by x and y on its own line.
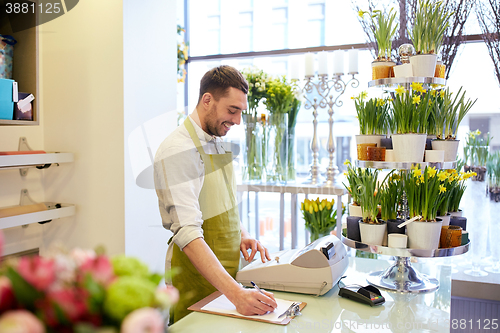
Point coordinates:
pixel 292 155
pixel 276 142
pixel 252 150
pixel 317 234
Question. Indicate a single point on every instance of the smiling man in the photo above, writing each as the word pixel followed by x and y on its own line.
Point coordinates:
pixel 196 191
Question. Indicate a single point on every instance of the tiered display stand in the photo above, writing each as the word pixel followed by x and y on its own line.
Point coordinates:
pixel 401 276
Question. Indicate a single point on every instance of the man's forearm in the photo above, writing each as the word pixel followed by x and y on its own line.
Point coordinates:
pixel 205 261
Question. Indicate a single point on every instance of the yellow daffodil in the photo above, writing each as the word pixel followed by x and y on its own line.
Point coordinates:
pixel 400 90
pixel 442 188
pixel 347 162
pixel 380 102
pixel 361 13
pixel 441 93
pixel 431 172
pixel 415 100
pixel 442 176
pixel 478 132
pixel 433 93
pixel 363 95
pixel 417 86
pixel 417 172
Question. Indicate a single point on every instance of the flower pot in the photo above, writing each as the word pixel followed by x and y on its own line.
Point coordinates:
pixel 457 214
pixel 445 219
pixel 423 65
pixel 450 148
pixel 386 142
pixel 408 147
pixel 459 221
pixel 372 234
pixel 428 141
pixel 355 210
pixel 424 235
pixel 403 70
pixel 369 138
pixel 389 155
pixel 434 156
pixel 481 172
pixel 382 69
pixel 353 228
pixel 392 227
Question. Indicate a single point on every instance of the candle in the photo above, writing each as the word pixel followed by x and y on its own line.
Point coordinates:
pixel 322 63
pixel 295 67
pixel 353 60
pixel 309 64
pixel 338 62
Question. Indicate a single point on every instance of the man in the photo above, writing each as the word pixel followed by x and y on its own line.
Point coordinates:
pixel 196 194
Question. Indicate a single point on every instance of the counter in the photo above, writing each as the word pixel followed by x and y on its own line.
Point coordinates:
pixel 428 312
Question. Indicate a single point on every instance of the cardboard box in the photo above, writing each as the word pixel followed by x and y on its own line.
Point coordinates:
pixel 6 100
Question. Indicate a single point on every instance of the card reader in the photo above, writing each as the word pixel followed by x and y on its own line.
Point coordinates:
pixel 369 295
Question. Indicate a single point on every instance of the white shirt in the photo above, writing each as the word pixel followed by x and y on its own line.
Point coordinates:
pixel 178 176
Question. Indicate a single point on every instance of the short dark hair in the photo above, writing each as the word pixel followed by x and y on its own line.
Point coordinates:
pixel 218 80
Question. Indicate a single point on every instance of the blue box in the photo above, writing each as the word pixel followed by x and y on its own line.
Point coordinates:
pixel 6 101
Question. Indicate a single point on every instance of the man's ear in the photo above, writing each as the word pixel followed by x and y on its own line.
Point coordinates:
pixel 206 99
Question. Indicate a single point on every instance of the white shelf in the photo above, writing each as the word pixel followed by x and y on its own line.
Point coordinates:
pixel 392 83
pixel 30 160
pixel 51 214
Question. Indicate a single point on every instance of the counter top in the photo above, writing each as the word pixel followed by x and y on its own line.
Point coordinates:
pixel 331 313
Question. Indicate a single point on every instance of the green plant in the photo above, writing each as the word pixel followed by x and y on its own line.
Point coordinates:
pixel 370 196
pixel 410 110
pixel 373 115
pixel 352 175
pixel 431 21
pixel 455 111
pixel 383 28
pixel 320 216
pixel 457 181
pixel 390 197
pixel 424 192
pixel 476 148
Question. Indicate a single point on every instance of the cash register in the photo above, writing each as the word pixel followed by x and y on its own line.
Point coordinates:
pixel 314 269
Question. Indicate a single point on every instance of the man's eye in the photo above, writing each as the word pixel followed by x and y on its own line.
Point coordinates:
pixel 232 112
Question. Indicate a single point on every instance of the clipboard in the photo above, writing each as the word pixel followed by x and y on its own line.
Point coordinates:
pixel 199 305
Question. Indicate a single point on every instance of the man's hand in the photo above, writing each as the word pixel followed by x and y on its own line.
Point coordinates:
pixel 250 302
pixel 247 242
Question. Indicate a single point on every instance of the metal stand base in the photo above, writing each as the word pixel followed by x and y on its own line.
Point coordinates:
pixel 402 277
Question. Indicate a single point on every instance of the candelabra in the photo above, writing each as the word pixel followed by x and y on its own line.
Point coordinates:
pixel 322 94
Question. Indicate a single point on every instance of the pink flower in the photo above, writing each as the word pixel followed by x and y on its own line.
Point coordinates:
pixel 38 271
pixel 144 320
pixel 166 296
pixel 72 302
pixel 7 300
pixel 100 269
pixel 20 321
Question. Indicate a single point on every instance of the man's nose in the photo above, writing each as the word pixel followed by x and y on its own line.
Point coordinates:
pixel 237 119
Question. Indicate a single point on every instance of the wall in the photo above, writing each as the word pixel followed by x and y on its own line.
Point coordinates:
pixel 81 67
pixel 150 82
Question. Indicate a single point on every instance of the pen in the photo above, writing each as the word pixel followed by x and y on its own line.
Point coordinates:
pixel 257 287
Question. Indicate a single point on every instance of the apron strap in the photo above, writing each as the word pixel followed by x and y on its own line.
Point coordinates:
pixel 194 136
pixel 208 157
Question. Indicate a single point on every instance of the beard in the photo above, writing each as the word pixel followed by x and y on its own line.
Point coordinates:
pixel 212 123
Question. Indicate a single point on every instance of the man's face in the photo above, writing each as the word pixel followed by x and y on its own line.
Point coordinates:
pixel 225 112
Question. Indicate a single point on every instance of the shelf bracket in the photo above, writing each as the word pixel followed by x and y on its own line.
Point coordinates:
pixel 23 146
pixel 25 200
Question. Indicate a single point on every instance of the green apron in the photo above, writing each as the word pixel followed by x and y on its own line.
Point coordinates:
pixel 221 229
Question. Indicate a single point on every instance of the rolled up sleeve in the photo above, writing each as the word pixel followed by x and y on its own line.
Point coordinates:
pixel 178 176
